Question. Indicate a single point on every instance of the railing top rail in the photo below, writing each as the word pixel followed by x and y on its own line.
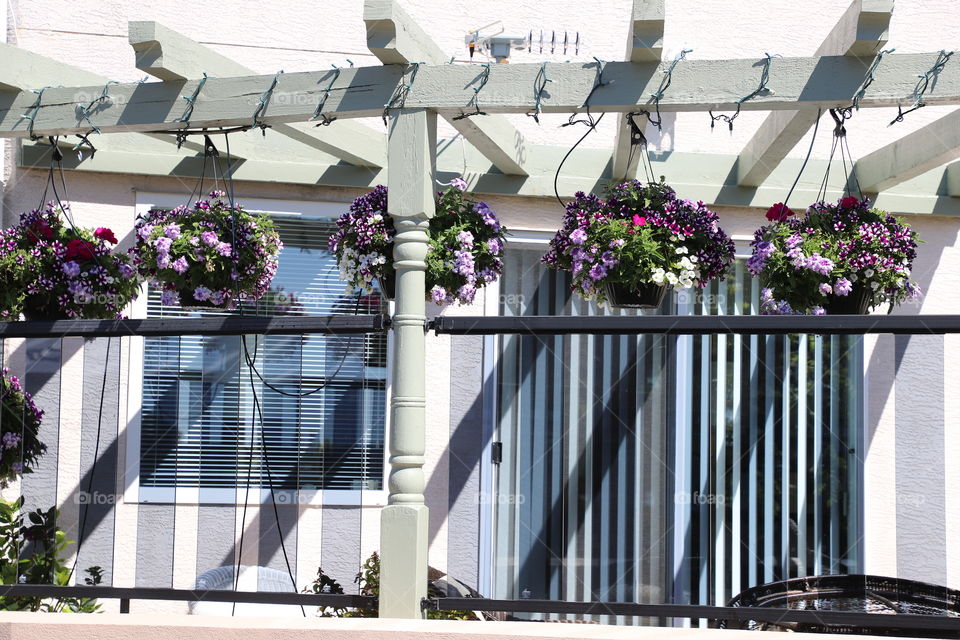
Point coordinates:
pixel 779 616
pixel 189 595
pixel 225 326
pixel 697 325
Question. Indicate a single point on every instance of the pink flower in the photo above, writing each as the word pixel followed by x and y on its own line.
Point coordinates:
pixel 639 221
pixel 105 234
pixel 849 202
pixel 779 212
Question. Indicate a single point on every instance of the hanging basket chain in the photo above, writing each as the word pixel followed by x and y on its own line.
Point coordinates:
pixel 923 84
pixel 325 120
pixel 399 97
pixel 761 88
pixel 474 102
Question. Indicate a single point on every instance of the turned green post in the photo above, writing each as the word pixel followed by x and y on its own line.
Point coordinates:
pixel 411 158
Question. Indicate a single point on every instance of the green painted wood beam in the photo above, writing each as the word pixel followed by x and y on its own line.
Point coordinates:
pixel 861 31
pixel 172 57
pixel 797 83
pixel 916 153
pixel 644 44
pixel 26 71
pixel 395 38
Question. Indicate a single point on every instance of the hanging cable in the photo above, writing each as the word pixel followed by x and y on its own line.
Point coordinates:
pixel 318 112
pixel 84 112
pixel 598 82
pixel 590 121
pixel 923 84
pixel 263 102
pixel 761 88
pixel 840 116
pixel 868 78
pixel 664 84
pixel 399 97
pixel 34 110
pixel 539 86
pixel 192 101
pixel 816 126
pixel 474 101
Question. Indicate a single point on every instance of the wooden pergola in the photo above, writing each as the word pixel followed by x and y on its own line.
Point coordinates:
pixel 414 86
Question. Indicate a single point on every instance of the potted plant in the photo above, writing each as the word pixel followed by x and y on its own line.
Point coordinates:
pixel 20 445
pixel 51 270
pixel 465 251
pixel 841 258
pixel 630 246
pixel 207 255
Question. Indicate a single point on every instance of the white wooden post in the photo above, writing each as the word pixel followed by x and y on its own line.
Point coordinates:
pixel 411 156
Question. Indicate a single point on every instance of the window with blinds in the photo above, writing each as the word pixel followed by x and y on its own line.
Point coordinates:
pixel 322 399
pixel 685 469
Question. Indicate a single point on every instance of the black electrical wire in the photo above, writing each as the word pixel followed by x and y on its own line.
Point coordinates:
pixel 556 176
pixel 816 125
pixel 56 161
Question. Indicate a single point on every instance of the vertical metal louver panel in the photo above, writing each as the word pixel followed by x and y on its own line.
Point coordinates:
pixel 580 510
pixel 742 451
pixel 199 422
pixel 772 464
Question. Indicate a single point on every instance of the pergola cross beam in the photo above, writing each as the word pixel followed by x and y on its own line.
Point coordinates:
pixel 801 83
pixel 861 31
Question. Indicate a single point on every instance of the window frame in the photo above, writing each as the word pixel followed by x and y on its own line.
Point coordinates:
pixel 133 493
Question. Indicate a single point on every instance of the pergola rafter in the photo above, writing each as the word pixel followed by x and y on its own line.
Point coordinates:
pixel 395 38
pixel 860 32
pixel 644 44
pixel 172 57
pixel 927 148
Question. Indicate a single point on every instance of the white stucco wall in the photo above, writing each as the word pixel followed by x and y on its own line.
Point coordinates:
pixel 297 36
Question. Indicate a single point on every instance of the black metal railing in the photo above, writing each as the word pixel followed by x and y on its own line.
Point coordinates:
pixel 126 594
pixel 929 623
pixel 695 325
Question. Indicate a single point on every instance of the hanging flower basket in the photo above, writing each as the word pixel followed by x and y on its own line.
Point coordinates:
pixel 646 295
pixel 207 256
pixel 629 247
pixel 465 251
pixel 20 445
pixel 837 258
pixel 51 270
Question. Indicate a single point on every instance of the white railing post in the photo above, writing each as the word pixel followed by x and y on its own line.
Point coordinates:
pixel 403 522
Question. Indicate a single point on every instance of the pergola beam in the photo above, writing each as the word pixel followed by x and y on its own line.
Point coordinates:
pixel 645 44
pixel 925 149
pixel 173 57
pixel 395 38
pixel 25 71
pixel 861 31
pixel 800 83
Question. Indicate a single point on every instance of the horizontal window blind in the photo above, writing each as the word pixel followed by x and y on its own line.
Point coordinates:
pixel 200 424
